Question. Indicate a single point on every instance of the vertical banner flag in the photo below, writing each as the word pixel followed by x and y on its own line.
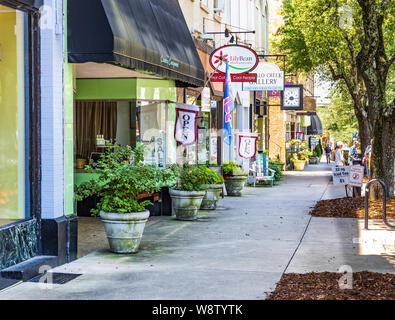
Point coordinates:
pixel 185 130
pixel 247 146
pixel 228 107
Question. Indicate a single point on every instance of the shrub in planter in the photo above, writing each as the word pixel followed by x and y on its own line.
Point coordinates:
pixel 213 184
pixel 188 193
pixel 122 177
pixel 235 178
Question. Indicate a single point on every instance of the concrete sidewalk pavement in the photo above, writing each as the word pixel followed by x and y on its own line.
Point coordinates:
pixel 239 251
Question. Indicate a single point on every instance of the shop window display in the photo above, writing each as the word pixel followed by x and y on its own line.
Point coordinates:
pixel 13 97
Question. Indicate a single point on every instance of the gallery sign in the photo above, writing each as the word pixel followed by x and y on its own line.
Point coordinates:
pixel 269 77
pixel 241 59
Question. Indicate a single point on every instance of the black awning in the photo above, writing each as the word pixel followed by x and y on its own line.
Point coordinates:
pixel 145 35
pixel 23 4
pixel 315 127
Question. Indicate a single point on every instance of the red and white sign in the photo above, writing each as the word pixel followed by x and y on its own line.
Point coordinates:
pixel 247 146
pixel 243 77
pixel 355 176
pixel 241 59
pixel 185 131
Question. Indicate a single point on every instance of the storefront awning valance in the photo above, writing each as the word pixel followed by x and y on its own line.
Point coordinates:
pixel 315 127
pixel 145 35
pixel 25 4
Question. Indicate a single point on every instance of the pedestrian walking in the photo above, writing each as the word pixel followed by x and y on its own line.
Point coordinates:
pixel 353 156
pixel 367 158
pixel 339 161
pixel 328 151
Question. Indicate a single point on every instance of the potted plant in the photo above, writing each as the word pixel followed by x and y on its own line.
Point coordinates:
pixel 122 178
pixel 187 194
pixel 300 158
pixel 213 184
pixel 235 178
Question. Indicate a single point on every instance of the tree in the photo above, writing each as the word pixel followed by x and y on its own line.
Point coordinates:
pixel 349 42
pixel 339 117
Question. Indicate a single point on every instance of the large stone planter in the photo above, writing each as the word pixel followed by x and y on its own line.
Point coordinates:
pixel 185 204
pixel 299 164
pixel 234 185
pixel 211 197
pixel 124 230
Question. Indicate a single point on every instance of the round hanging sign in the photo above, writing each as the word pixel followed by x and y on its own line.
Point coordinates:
pixel 241 59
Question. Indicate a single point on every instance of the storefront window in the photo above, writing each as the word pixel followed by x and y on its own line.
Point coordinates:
pixel 13 72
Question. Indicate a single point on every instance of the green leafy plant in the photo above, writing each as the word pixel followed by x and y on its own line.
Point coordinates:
pixel 122 178
pixel 210 176
pixel 276 165
pixel 232 169
pixel 190 178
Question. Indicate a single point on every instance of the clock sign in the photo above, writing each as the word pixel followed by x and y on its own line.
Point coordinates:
pixel 292 97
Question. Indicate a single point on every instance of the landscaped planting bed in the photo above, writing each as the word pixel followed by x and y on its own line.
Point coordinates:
pixel 325 286
pixel 352 208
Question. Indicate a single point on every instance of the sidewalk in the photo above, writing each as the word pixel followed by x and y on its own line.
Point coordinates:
pixel 239 251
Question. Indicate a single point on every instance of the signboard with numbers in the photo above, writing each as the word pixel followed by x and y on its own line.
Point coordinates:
pixel 340 176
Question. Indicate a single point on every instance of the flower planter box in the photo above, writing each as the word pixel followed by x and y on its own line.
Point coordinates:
pixel 185 204
pixel 211 197
pixel 299 164
pixel 234 185
pixel 124 230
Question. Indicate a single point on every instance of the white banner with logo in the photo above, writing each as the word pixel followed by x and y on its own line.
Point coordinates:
pixel 185 131
pixel 247 146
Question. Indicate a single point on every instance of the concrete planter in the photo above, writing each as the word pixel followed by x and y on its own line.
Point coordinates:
pixel 185 204
pixel 124 230
pixel 234 185
pixel 299 164
pixel 211 197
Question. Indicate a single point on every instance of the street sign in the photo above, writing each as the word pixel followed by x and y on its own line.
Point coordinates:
pixel 340 176
pixel 355 176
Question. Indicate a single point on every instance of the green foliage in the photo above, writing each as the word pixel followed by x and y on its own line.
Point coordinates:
pixel 122 178
pixel 338 116
pixel 318 150
pixel 276 165
pixel 190 178
pixel 233 169
pixel 210 176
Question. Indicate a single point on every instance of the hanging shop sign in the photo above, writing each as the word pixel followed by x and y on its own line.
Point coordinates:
pixel 241 59
pixel 185 131
pixel 355 176
pixel 269 77
pixel 247 146
pixel 340 176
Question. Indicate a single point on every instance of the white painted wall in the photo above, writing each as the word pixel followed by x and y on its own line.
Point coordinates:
pixel 52 137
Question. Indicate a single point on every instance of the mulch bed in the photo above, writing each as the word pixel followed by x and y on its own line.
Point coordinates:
pixel 352 208
pixel 325 286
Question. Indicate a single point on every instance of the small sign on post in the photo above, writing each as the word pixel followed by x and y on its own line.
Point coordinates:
pixel 355 176
pixel 340 176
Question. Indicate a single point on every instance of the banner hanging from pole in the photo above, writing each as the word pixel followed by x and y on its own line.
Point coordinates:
pixel 185 130
pixel 228 107
pixel 247 146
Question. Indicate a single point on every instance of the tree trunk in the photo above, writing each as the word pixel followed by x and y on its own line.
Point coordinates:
pixel 365 132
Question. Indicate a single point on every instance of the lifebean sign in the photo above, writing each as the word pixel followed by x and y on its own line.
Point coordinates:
pixel 241 59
